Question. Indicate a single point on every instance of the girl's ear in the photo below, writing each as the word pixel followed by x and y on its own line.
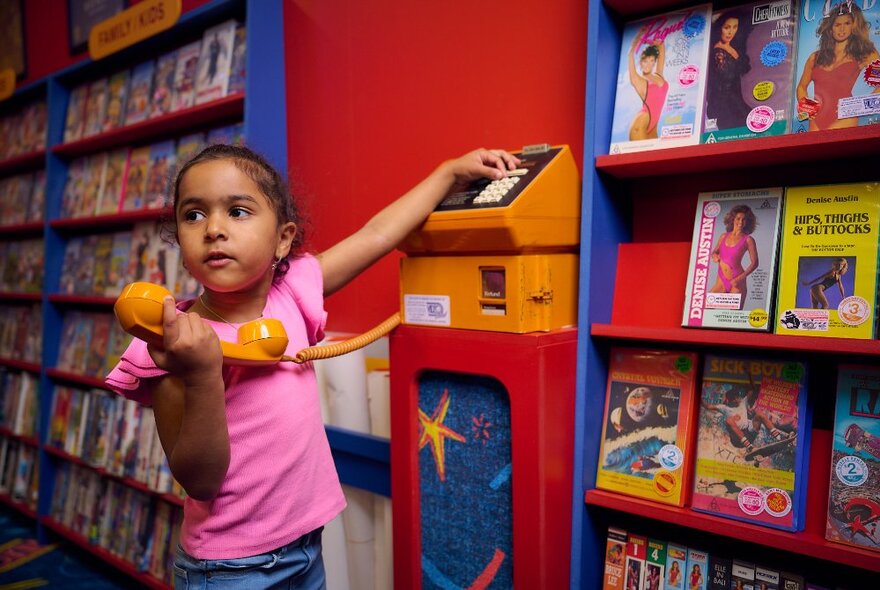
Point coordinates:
pixel 286 234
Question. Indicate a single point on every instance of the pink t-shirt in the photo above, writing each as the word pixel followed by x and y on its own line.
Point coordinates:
pixel 281 481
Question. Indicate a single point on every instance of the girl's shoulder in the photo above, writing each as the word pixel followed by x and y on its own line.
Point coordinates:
pixel 304 283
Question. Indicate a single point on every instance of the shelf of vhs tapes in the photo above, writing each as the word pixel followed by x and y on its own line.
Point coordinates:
pixel 637 266
pixel 82 214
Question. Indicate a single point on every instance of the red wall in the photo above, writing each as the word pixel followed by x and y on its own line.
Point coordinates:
pixel 380 92
pixel 46 47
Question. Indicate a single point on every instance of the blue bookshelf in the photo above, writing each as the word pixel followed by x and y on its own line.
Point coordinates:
pixel 619 193
pixel 362 460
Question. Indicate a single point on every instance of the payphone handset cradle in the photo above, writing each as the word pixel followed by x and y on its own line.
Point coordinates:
pixel 264 341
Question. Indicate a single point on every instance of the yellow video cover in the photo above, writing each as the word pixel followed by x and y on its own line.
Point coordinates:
pixel 647 430
pixel 828 261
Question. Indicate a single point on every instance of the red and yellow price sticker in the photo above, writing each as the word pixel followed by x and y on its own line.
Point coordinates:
pixel 141 21
pixel 7 83
pixel 665 483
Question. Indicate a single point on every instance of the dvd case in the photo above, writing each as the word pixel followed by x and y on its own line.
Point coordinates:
pixel 96 107
pixel 742 575
pixel 183 95
pixel 141 86
pixel 75 120
pixel 697 570
pixel 732 265
pixel 753 441
pixel 766 578
pixel 827 282
pixel 750 71
pixel 117 96
pixel 838 65
pixel 646 447
pixel 636 553
pixel 790 581
pixel 854 494
pixel 655 565
pixel 163 85
pixel 615 552
pixel 212 79
pixel 676 567
pixel 719 572
pixel 661 81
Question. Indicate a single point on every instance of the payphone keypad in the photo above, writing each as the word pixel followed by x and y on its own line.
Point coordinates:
pixel 496 190
pixel 483 194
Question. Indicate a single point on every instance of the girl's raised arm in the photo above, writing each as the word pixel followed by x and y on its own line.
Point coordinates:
pixel 344 261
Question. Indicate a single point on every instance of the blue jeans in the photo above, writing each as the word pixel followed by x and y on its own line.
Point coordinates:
pixel 298 565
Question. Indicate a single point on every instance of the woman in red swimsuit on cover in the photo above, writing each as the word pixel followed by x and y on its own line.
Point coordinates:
pixel 732 246
pixel 845 49
pixel 649 85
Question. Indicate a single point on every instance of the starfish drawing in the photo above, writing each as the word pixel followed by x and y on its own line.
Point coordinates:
pixel 435 433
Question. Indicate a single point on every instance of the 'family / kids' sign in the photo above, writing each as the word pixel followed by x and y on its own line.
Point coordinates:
pixel 130 26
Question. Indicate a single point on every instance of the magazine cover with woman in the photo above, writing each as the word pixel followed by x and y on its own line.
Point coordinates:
pixel 661 80
pixel 749 76
pixel 828 261
pixel 838 65
pixel 733 260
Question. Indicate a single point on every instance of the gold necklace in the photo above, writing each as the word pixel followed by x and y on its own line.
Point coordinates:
pixel 217 315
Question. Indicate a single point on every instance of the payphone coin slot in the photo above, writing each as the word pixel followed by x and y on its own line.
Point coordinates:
pixel 499 309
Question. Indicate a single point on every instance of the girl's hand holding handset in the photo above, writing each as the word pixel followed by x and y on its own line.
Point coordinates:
pixel 191 349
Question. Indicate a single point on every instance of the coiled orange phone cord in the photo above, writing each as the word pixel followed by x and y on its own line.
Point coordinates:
pixel 324 352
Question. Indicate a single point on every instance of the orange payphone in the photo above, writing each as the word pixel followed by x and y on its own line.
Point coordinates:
pixel 501 255
pixel 482 409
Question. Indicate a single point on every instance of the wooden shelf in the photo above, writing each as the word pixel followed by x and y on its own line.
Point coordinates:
pixel 22 230
pixel 20 364
pixel 31 441
pixel 117 562
pixel 89 224
pixel 93 300
pixel 810 542
pixel 734 339
pixel 175 124
pixel 127 481
pixel 76 378
pixel 817 146
pixel 9 296
pixel 804 543
pixel 23 163
pixel 20 506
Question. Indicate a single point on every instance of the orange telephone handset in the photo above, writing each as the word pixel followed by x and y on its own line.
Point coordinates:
pixel 139 311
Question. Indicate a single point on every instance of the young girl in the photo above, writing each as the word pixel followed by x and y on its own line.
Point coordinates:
pixel 248 443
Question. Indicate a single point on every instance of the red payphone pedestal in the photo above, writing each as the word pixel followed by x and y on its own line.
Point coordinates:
pixel 482 430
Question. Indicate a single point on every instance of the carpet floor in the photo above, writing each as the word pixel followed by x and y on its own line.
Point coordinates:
pixel 25 563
